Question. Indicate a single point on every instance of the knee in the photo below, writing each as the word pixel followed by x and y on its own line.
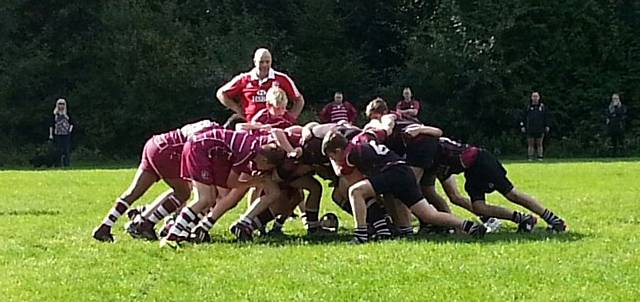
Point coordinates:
pixel 182 195
pixel 478 207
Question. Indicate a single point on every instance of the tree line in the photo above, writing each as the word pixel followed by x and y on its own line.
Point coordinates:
pixel 132 68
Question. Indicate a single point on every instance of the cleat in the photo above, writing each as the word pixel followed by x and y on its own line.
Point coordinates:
pixel 165 243
pixel 319 232
pixel 103 233
pixel 492 224
pixel 168 223
pixel 527 224
pixel 200 235
pixel 146 231
pixel 357 240
pixel 558 227
pixel 477 230
pixel 132 228
pixel 275 233
pixel 241 231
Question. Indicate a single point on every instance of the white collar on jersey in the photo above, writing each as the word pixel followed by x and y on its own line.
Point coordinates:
pixel 254 74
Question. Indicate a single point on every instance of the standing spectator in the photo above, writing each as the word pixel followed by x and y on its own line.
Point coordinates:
pixel 338 110
pixel 60 130
pixel 535 124
pixel 246 93
pixel 408 106
pixel 616 115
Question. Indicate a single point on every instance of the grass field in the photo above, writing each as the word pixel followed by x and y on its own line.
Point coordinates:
pixel 47 253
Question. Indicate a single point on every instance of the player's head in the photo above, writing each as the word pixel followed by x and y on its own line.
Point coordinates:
pixel 262 60
pixel 338 97
pixel 407 94
pixel 333 145
pixel 377 108
pixel 277 101
pixel 535 98
pixel 269 157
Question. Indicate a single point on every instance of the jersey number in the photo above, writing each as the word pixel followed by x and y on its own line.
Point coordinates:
pixel 380 149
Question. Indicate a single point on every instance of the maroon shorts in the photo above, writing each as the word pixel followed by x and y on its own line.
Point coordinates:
pixel 163 161
pixel 198 165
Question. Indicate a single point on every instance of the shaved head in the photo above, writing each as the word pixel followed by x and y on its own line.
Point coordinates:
pixel 262 61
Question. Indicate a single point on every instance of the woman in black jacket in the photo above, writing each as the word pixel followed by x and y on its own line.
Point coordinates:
pixel 535 124
pixel 616 116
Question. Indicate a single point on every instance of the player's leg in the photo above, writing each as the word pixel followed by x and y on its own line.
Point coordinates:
pixel 485 176
pixel 243 228
pixel 283 208
pixel 358 194
pixel 555 223
pixel 450 187
pixel 141 182
pixel 224 203
pixel 400 214
pixel 162 207
pixel 205 197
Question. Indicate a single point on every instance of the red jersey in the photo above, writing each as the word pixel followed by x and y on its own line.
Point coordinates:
pixel 265 117
pixel 412 104
pixel 253 92
pixel 333 113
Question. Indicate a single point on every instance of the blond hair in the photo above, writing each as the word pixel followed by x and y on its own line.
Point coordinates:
pixel 377 105
pixel 63 111
pixel 276 97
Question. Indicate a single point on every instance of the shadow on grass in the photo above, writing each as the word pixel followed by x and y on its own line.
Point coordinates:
pixel 343 237
pixel 30 213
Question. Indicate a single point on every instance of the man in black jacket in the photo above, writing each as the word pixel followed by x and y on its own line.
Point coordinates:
pixel 535 124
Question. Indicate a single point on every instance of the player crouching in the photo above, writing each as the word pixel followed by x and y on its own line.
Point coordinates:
pixel 385 173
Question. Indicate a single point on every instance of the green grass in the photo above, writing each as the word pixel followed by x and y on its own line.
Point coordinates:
pixel 47 254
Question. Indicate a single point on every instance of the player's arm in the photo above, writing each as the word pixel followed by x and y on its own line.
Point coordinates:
pixel 282 142
pixel 388 121
pixel 415 130
pixel 298 105
pixel 252 126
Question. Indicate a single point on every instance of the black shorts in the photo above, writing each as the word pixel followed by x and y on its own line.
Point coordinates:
pixel 535 135
pixel 400 181
pixel 428 179
pixel 485 176
pixel 421 151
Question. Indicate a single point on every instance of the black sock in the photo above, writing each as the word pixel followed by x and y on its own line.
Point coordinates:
pixel 382 228
pixel 517 217
pixel 361 234
pixel 550 218
pixel 467 225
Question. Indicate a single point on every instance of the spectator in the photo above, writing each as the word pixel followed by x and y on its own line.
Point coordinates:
pixel 616 115
pixel 535 124
pixel 60 130
pixel 408 106
pixel 246 93
pixel 338 110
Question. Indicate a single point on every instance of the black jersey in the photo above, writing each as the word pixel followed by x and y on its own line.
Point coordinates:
pixel 453 157
pixel 371 158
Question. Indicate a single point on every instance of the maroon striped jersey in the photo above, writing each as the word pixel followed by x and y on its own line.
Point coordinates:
pixel 266 118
